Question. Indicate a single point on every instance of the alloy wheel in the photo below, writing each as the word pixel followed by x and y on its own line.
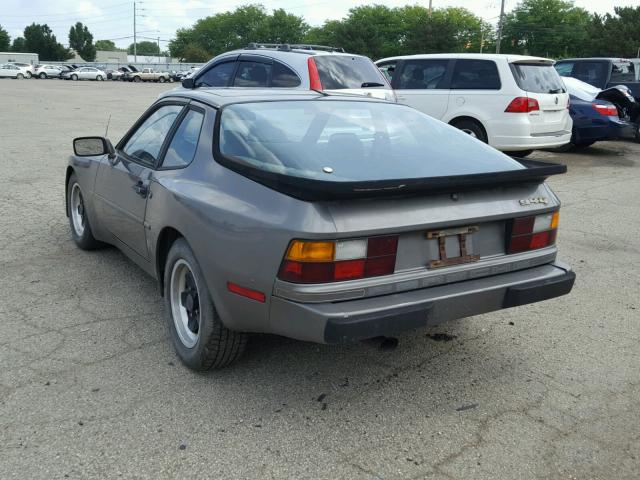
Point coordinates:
pixel 185 303
pixel 77 210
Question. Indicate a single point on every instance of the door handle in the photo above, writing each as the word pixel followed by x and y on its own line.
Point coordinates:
pixel 141 189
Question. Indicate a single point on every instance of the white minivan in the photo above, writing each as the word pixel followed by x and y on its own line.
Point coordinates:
pixel 514 103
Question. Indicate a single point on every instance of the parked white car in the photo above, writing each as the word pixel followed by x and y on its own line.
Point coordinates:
pixel 47 71
pixel 9 70
pixel 85 73
pixel 26 67
pixel 514 103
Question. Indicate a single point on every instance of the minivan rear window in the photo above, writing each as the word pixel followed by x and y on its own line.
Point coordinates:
pixel 350 141
pixel 342 71
pixel 537 78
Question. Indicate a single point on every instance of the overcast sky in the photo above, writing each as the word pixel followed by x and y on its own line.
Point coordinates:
pixel 113 19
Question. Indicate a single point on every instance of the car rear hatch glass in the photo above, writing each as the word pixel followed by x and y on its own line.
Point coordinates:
pixel 543 83
pixel 330 147
pixel 353 74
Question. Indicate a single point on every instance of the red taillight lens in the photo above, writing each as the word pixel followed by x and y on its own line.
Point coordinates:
pixel 323 262
pixel 523 105
pixel 606 110
pixel 530 233
pixel 314 76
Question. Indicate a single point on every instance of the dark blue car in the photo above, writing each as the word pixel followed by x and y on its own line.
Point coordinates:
pixel 593 119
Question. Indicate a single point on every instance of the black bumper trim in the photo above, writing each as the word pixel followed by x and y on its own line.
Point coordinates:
pixel 539 290
pixel 360 327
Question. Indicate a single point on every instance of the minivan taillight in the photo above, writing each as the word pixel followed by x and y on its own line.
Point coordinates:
pixel 530 233
pixel 523 105
pixel 314 76
pixel 606 110
pixel 339 260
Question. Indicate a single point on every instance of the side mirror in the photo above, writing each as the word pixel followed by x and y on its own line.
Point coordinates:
pixel 188 83
pixel 92 146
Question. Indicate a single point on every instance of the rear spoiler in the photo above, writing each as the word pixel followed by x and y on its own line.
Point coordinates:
pixel 322 190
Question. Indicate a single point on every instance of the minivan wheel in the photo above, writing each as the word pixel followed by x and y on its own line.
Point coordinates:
pixel 78 218
pixel 201 340
pixel 471 127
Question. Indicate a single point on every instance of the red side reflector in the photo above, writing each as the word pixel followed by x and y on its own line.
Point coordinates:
pixel 246 292
pixel 314 76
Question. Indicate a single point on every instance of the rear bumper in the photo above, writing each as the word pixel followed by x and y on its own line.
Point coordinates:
pixel 353 320
pixel 530 142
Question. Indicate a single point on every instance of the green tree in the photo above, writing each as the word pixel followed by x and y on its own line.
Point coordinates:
pixel 41 40
pixel 5 40
pixel 106 46
pixel 615 35
pixel 225 31
pixel 144 48
pixel 549 28
pixel 81 40
pixel 18 45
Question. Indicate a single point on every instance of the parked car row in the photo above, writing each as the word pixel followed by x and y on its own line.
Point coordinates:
pixel 75 72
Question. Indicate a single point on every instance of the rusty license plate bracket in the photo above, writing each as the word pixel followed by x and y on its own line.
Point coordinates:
pixel 441 236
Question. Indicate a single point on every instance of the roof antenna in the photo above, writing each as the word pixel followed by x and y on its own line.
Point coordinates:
pixel 106 132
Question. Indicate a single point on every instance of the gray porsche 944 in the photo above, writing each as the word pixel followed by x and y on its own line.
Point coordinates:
pixel 325 218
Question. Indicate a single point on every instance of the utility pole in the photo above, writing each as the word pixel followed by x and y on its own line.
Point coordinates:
pixel 135 43
pixel 481 37
pixel 158 48
pixel 430 7
pixel 500 22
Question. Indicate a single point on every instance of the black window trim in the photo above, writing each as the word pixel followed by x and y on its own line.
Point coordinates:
pixel 150 111
pixel 174 128
pixel 453 68
pixel 229 59
pixel 249 57
pixel 447 76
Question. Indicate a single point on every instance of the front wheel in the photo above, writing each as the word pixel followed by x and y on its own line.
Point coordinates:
pixel 198 335
pixel 42 76
pixel 99 78
pixel 19 76
pixel 161 79
pixel 78 219
pixel 473 128
pixel 74 77
pixel 137 79
pixel 28 74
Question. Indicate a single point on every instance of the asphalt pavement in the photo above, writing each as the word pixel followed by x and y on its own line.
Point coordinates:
pixel 91 388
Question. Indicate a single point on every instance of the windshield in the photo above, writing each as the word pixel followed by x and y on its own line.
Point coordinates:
pixel 342 71
pixel 537 78
pixel 347 141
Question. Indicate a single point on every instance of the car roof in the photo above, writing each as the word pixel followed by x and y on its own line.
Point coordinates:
pixel 612 59
pixel 475 56
pixel 219 97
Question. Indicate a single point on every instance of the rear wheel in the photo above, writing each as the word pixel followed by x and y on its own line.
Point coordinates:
pixel 198 335
pixel 137 79
pixel 42 75
pixel 78 219
pixel 471 127
pixel 28 74
pixel 19 76
pixel 99 78
pixel 161 80
pixel 74 77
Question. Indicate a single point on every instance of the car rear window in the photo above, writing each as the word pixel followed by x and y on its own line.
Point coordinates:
pixel 537 78
pixel 623 71
pixel 343 71
pixel 347 141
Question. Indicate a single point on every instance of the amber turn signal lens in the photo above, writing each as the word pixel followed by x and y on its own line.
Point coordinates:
pixel 555 220
pixel 311 251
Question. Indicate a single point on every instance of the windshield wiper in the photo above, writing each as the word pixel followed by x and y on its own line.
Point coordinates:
pixel 371 84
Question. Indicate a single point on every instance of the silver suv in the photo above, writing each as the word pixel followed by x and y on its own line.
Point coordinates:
pixel 308 67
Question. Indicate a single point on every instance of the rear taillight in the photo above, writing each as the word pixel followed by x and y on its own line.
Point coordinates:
pixel 335 261
pixel 314 76
pixel 606 110
pixel 530 233
pixel 523 105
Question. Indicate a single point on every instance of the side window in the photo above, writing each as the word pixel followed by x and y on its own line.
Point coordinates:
pixel 564 69
pixel 388 69
pixel 145 143
pixel 594 73
pixel 623 72
pixel 183 145
pixel 423 74
pixel 283 76
pixel 475 75
pixel 217 76
pixel 252 74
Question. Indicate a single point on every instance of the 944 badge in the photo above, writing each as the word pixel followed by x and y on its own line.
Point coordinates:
pixel 534 201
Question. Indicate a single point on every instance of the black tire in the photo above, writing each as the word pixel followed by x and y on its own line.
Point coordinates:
pixel 74 77
pixel 84 240
pixel 136 79
pixel 520 153
pixel 161 80
pixel 473 128
pixel 42 76
pixel 99 78
pixel 19 76
pixel 216 346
